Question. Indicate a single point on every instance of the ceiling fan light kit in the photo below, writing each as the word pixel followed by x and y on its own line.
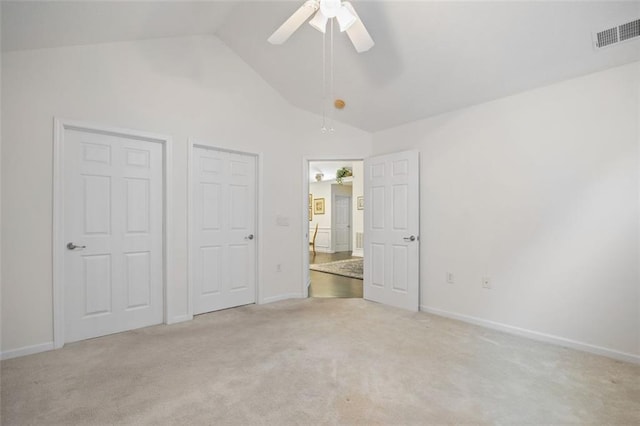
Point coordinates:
pixel 336 9
pixel 329 8
pixel 325 10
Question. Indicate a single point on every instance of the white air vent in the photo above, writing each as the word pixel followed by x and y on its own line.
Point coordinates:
pixel 629 30
pixel 615 35
pixel 359 240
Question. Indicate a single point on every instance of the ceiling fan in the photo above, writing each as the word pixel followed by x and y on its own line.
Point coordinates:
pixel 324 10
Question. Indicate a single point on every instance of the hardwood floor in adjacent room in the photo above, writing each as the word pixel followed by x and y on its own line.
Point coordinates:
pixel 330 285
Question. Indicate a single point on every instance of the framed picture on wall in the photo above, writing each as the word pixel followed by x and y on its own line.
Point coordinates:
pixel 318 206
pixel 310 200
pixel 310 213
pixel 360 204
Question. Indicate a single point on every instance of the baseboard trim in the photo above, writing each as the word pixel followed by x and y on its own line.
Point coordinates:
pixel 357 253
pixel 180 318
pixel 323 250
pixel 535 335
pixel 281 297
pixel 27 350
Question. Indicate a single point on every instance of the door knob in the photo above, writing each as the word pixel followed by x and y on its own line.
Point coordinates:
pixel 249 237
pixel 72 246
pixel 411 238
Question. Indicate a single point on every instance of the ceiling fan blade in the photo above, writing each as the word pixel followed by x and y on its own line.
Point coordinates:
pixel 294 22
pixel 357 33
pixel 319 22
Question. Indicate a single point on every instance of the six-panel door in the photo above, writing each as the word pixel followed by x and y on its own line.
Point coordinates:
pixel 113 218
pixel 391 269
pixel 223 241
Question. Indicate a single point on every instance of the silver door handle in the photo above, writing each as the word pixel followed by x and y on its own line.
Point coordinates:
pixel 72 246
pixel 249 237
pixel 411 238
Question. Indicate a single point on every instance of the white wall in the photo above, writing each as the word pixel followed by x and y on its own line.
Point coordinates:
pixel 358 215
pixel 638 134
pixel 325 242
pixel 540 192
pixel 321 190
pixel 0 187
pixel 323 221
pixel 182 87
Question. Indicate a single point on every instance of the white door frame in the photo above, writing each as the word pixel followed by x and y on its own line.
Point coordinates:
pixel 58 248
pixel 193 143
pixel 306 277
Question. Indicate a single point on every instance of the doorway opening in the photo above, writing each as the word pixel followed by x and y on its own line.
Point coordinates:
pixel 335 233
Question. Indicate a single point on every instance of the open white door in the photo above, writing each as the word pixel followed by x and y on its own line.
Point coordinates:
pixel 392 224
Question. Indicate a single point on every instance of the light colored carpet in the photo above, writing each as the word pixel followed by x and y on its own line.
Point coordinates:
pixel 317 361
pixel 347 268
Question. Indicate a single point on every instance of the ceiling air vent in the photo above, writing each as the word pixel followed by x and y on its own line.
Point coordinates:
pixel 615 35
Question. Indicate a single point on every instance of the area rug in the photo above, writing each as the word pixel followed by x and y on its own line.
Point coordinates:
pixel 351 268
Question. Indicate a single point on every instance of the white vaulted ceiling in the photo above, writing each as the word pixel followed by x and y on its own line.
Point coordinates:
pixel 36 24
pixel 429 57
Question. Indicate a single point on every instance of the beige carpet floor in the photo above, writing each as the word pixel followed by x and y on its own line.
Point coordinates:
pixel 317 361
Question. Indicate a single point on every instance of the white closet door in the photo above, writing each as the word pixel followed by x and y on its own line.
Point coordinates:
pixel 113 215
pixel 223 246
pixel 391 221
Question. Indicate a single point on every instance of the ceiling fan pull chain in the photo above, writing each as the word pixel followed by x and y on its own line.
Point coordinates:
pixel 331 129
pixel 323 129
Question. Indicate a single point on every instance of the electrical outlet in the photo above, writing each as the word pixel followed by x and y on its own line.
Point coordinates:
pixel 486 282
pixel 450 278
pixel 279 267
